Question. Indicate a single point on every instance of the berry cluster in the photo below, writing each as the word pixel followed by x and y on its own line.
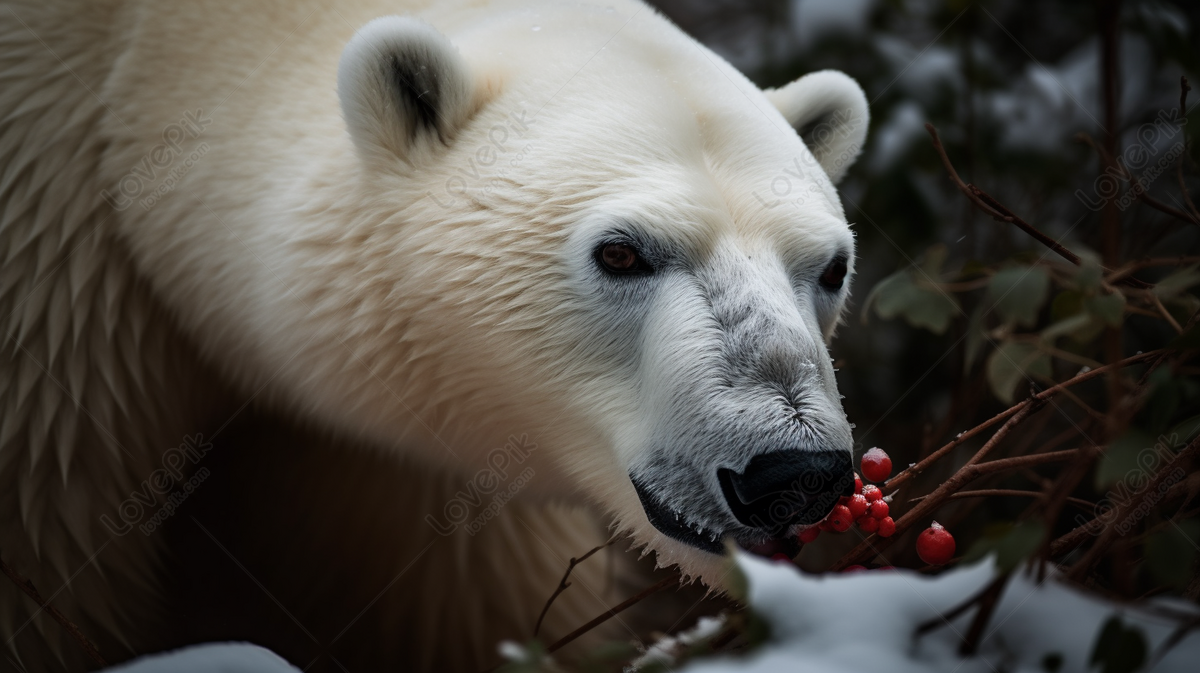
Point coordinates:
pixel 867 507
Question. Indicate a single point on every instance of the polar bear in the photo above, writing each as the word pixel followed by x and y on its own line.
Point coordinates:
pixel 390 309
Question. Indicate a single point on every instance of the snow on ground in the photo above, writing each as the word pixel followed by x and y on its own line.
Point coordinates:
pixel 854 622
pixel 211 658
pixel 865 621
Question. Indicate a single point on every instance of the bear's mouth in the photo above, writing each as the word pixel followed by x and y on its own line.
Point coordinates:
pixel 673 524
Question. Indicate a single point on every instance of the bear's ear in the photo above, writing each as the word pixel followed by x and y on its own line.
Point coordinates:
pixel 829 111
pixel 401 83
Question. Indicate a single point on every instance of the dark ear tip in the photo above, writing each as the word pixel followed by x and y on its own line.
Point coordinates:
pixel 399 81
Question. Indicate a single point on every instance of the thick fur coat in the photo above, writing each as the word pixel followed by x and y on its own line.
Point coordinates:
pixel 317 291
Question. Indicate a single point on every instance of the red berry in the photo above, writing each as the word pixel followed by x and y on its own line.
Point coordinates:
pixel 853 569
pixel 858 506
pixel 809 534
pixel 887 527
pixel 824 525
pixel 872 493
pixel 840 519
pixel 868 524
pixel 879 509
pixel 876 465
pixel 857 484
pixel 935 545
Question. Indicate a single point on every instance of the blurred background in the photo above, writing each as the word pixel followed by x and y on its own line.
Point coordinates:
pixel 1009 85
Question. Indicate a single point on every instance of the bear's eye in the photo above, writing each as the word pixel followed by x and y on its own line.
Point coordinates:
pixel 622 259
pixel 835 275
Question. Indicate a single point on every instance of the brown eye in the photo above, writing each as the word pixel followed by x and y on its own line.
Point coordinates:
pixel 621 258
pixel 835 275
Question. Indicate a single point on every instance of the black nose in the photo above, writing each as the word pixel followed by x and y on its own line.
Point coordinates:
pixel 783 488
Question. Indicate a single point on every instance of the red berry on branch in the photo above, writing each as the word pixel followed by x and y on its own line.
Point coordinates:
pixel 824 525
pixel 858 485
pixel 840 519
pixel 809 534
pixel 868 524
pixel 879 509
pixel 872 493
pixel 858 506
pixel 876 465
pixel 887 527
pixel 935 545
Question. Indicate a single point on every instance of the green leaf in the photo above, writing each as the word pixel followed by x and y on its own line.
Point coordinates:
pixel 1185 431
pixel 923 307
pixel 933 260
pixel 1089 274
pixel 1171 553
pixel 1118 648
pixel 1120 459
pixel 1108 307
pixel 1189 339
pixel 1011 544
pixel 1066 304
pixel 973 267
pixel 1178 282
pixel 1012 364
pixel 1018 293
pixel 1076 324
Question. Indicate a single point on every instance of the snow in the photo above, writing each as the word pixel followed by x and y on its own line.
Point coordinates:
pixel 904 127
pixel 813 19
pixel 824 623
pixel 210 658
pixel 845 622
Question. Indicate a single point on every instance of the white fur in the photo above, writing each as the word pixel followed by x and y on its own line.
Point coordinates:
pixel 837 104
pixel 321 256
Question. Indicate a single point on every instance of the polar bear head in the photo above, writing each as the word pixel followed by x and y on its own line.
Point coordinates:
pixel 580 226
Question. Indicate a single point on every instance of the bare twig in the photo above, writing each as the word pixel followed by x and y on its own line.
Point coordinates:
pixel 1135 183
pixel 874 544
pixel 992 207
pixel 1184 457
pixel 70 627
pixel 563 583
pixel 914 470
pixel 658 586
pixel 989 492
pixel 987 605
pixel 1187 197
pixel 1129 268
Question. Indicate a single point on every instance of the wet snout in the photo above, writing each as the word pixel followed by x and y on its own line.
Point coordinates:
pixel 784 488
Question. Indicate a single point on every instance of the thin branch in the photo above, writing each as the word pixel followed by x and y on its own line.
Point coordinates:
pixel 944 619
pixel 563 583
pixel 989 492
pixel 993 207
pixel 658 586
pixel 1184 457
pixel 1148 262
pixel 70 627
pixel 1165 313
pixel 987 605
pixel 1187 197
pixel 874 544
pixel 916 469
pixel 1135 183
